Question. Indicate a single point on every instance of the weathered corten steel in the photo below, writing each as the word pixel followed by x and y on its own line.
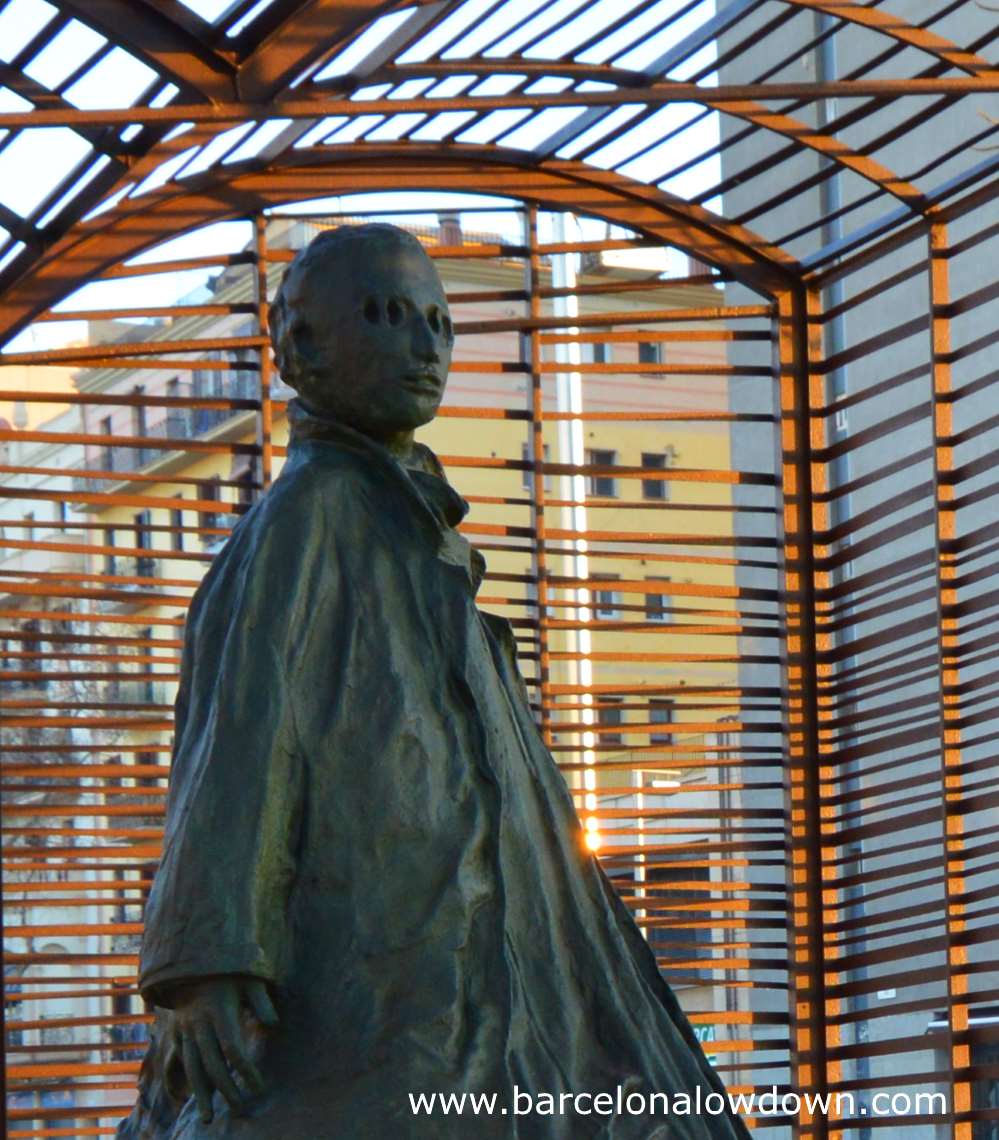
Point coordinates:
pixel 847 573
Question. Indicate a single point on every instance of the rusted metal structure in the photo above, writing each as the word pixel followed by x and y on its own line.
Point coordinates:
pixel 817 865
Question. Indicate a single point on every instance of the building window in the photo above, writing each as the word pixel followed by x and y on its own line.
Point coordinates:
pixel 657 604
pixel 245 382
pixel 29 526
pixel 660 713
pixel 610 715
pixel 177 523
pixel 131 1034
pixel 207 382
pixel 245 489
pixel 110 561
pixel 649 352
pixel 607 602
pixel 177 419
pixel 148 759
pixel 15 1011
pixel 598 353
pixel 144 566
pixel 655 461
pixel 527 474
pixel 138 412
pixel 985 1090
pixel 676 899
pixel 118 779
pixel 33 662
pixel 209 491
pixel 115 678
pixel 148 687
pixel 107 453
pixel 603 486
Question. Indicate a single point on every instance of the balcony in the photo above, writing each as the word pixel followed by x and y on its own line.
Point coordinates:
pixel 129 566
pixel 177 424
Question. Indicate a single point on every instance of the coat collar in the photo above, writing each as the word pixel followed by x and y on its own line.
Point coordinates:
pixel 428 481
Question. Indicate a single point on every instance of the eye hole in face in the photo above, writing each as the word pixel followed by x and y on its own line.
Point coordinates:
pixel 372 311
pixel 440 322
pixel 394 311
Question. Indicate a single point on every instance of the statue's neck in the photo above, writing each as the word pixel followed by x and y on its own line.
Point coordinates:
pixel 400 445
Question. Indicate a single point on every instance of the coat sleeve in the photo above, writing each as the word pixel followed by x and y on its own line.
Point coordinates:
pixel 220 896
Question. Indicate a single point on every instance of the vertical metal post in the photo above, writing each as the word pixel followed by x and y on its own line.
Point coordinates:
pixel 3 1027
pixel 537 455
pixel 265 419
pixel 948 656
pixel 807 964
pixel 824 476
pixel 569 398
pixel 836 475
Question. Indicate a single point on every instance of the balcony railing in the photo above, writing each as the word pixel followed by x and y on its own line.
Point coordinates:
pixel 129 566
pixel 177 424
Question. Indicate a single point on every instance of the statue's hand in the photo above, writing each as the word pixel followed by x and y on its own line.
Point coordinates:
pixel 211 1039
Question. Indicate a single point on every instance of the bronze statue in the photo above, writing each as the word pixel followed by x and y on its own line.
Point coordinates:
pixel 374 883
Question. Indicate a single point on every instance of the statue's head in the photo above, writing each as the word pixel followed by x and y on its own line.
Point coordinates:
pixel 361 329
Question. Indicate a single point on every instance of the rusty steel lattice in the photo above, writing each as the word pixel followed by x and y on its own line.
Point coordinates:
pixel 741 509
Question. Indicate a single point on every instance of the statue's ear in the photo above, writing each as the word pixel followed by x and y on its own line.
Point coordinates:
pixel 295 350
pixel 302 341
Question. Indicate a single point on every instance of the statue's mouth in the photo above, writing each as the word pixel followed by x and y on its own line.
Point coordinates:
pixel 427 381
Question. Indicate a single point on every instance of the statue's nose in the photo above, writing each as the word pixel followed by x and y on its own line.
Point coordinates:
pixel 424 340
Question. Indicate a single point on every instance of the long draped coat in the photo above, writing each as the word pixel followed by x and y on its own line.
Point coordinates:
pixel 363 814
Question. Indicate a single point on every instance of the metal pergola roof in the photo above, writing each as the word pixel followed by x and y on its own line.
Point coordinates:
pixel 164 116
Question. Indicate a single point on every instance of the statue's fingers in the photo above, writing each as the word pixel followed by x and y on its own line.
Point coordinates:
pixel 230 1037
pixel 216 1068
pixel 175 1078
pixel 260 1002
pixel 197 1079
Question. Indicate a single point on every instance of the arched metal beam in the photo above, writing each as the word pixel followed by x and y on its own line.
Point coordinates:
pixel 438 69
pixel 289 36
pixel 794 130
pixel 129 229
pixel 220 117
pixel 828 146
pixel 317 103
pixel 166 38
pixel 314 29
pixel 295 33
pixel 898 28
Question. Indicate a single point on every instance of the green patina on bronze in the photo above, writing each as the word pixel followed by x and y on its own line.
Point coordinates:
pixel 374 882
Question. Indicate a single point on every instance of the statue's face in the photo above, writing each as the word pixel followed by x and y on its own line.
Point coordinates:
pixel 376 331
